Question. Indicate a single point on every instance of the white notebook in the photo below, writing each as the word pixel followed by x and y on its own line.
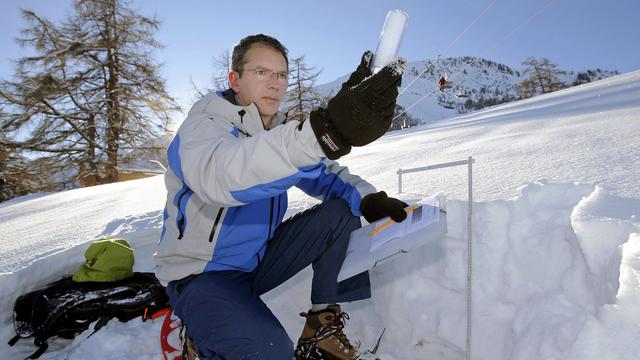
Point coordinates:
pixel 384 240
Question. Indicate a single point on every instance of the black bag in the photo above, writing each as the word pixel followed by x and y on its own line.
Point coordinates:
pixel 66 308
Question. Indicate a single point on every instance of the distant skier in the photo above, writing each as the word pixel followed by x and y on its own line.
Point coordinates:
pixel 223 242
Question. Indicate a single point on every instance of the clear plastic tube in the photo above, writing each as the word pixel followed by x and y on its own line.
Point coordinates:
pixel 390 39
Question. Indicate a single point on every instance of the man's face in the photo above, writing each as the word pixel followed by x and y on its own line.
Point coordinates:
pixel 265 91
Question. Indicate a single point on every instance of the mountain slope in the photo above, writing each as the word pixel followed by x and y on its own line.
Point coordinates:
pixel 482 82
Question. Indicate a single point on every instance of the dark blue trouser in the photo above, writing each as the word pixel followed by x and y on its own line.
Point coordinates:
pixel 223 311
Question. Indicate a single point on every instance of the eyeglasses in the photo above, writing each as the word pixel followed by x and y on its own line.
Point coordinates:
pixel 266 74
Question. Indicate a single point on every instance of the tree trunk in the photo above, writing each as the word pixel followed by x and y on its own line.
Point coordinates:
pixel 300 105
pixel 113 104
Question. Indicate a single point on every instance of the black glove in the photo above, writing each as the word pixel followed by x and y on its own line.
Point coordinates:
pixel 362 71
pixel 361 111
pixel 378 205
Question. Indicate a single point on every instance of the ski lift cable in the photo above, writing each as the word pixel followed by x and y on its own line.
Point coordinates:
pixel 484 53
pixel 414 104
pixel 504 38
pixel 469 27
pixel 452 43
pixel 517 28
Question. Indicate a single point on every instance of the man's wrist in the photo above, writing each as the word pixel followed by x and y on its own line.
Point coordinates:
pixel 331 143
pixel 309 137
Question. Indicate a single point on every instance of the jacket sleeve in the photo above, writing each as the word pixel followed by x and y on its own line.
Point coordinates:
pixel 335 181
pixel 224 169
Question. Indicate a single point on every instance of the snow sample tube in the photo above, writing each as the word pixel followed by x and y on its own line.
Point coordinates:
pixel 390 38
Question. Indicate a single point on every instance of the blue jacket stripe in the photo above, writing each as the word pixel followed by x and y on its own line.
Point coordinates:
pixel 175 164
pixel 268 190
pixel 183 207
pixel 246 222
pixel 332 187
pixel 165 216
pixel 181 198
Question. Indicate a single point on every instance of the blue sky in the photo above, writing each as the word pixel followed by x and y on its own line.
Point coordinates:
pixel 575 34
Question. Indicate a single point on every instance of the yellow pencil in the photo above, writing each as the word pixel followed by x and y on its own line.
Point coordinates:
pixel 389 222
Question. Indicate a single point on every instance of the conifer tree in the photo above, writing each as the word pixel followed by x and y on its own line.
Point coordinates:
pixel 90 93
pixel 302 96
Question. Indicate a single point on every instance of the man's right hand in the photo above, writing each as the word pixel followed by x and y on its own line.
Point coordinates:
pixel 361 111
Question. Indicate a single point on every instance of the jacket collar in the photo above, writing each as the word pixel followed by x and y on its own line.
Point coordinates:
pixel 246 118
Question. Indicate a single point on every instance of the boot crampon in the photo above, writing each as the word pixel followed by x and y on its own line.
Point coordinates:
pixel 323 339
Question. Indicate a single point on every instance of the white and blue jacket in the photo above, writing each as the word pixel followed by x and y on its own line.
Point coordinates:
pixel 227 186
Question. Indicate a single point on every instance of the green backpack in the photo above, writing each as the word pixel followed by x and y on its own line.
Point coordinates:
pixel 104 287
pixel 107 260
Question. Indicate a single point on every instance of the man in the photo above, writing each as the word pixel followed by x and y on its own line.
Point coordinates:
pixel 223 242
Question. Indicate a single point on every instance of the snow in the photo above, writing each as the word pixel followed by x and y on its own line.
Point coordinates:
pixel 556 229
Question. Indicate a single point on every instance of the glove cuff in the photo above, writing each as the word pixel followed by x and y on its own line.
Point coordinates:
pixel 331 143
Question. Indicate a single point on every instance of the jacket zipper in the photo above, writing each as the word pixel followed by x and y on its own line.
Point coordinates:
pixel 181 221
pixel 215 224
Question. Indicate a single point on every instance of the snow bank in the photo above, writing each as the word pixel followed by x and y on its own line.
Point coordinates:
pixel 536 293
pixel 556 276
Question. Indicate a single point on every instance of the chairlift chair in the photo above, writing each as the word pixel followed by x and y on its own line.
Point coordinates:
pixel 444 83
